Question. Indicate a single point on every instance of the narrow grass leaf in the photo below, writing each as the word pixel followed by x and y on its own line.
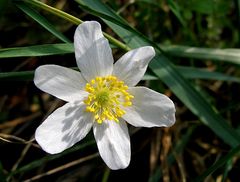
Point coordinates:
pixel 228 167
pixel 38 50
pixel 17 76
pixel 223 55
pixel 218 164
pixel 187 72
pixel 176 11
pixel 3 6
pixel 2 175
pixel 41 20
pixel 202 73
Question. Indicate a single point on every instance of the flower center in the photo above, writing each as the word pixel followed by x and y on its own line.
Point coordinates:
pixel 107 98
pixel 102 97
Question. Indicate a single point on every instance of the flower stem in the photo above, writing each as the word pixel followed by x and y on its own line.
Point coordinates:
pixel 54 11
pixel 73 20
pixel 116 42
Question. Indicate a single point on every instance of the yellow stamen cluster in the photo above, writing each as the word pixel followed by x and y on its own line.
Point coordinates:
pixel 107 98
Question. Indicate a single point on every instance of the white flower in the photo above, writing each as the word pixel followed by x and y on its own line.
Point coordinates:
pixel 102 96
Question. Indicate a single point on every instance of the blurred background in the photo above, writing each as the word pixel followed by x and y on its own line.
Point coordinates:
pixel 200 38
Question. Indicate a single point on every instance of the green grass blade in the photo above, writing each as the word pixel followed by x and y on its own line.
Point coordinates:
pixel 189 73
pixel 2 175
pixel 3 7
pixel 106 175
pixel 66 48
pixel 41 20
pixel 200 73
pixel 166 71
pixel 38 50
pixel 176 11
pixel 218 164
pixel 237 14
pixel 17 76
pixel 228 168
pixel 223 55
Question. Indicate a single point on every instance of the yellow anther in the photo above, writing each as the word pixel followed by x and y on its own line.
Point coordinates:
pixel 89 109
pixel 90 89
pixel 96 116
pixel 116 120
pixel 107 98
pixel 99 121
pixel 127 104
pixel 125 87
pixel 127 98
pixel 92 81
pixel 120 112
pixel 87 102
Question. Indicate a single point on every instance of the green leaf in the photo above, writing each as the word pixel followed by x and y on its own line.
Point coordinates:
pixel 218 164
pixel 150 2
pixel 203 6
pixel 38 50
pixel 17 76
pixel 166 71
pixel 220 7
pixel 3 6
pixel 41 20
pixel 2 173
pixel 189 73
pixel 224 55
pixel 200 73
pixel 176 11
pixel 196 73
pixel 228 167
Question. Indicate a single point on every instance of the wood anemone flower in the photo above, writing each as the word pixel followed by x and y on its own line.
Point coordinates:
pixel 102 96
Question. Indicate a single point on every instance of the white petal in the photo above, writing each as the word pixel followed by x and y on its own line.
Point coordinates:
pixel 92 51
pixel 61 82
pixel 113 143
pixel 63 128
pixel 131 67
pixel 149 109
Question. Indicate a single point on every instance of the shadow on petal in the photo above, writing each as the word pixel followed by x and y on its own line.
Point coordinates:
pixel 102 127
pixel 95 61
pixel 63 128
pixel 77 124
